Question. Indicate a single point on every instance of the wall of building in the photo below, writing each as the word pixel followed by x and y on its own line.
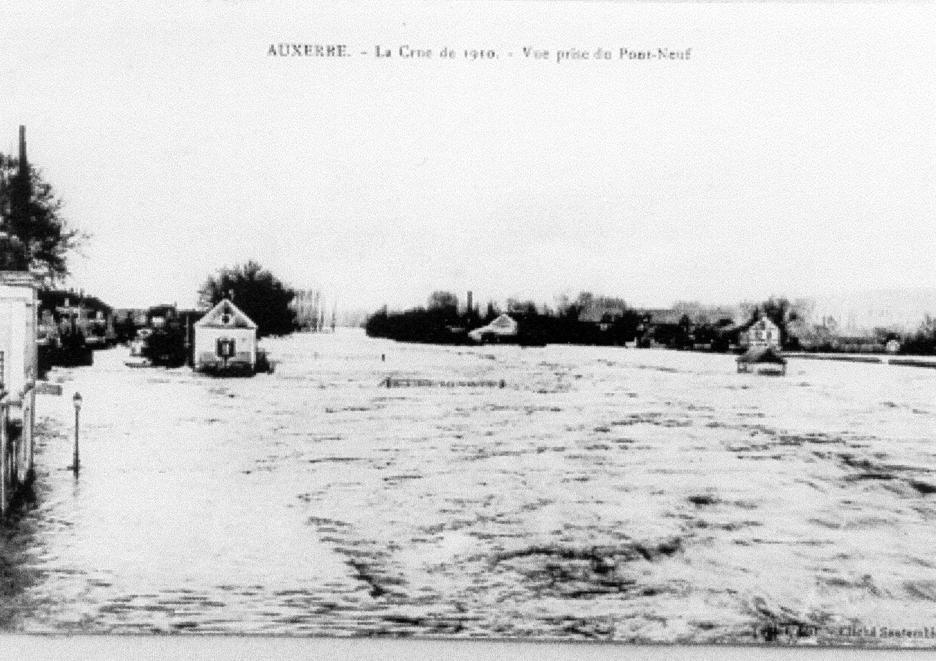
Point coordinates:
pixel 17 331
pixel 206 342
pixel 764 333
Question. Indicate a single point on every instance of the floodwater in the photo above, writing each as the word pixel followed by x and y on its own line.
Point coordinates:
pixel 602 493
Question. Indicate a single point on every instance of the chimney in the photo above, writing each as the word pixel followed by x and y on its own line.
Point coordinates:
pixel 469 301
pixel 22 150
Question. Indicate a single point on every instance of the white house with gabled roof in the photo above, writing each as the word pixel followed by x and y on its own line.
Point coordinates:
pixel 19 370
pixel 225 340
pixel 502 326
pixel 763 333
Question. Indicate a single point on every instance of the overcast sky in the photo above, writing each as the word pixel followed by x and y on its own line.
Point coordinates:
pixel 794 152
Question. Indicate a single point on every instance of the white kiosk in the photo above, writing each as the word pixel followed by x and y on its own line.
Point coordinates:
pixel 225 341
pixel 18 373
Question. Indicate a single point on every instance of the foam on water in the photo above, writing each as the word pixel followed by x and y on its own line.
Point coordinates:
pixel 603 493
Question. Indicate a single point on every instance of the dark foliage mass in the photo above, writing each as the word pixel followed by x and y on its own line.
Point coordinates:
pixel 257 292
pixel 601 320
pixel 416 325
pixel 588 320
pixel 31 217
pixel 923 342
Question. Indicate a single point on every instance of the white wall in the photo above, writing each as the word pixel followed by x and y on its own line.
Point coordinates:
pixel 17 335
pixel 245 344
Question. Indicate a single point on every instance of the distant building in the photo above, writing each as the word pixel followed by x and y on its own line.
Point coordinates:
pixel 18 324
pixel 763 333
pixel 660 316
pixel 19 369
pixel 502 326
pixel 127 321
pixel 225 340
pixel 132 316
pixel 658 327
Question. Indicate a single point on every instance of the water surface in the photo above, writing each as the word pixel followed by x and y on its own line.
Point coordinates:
pixel 603 493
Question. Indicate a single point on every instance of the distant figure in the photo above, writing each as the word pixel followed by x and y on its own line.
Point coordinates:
pixel 383 357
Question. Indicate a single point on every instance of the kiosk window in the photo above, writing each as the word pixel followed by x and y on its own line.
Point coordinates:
pixel 225 347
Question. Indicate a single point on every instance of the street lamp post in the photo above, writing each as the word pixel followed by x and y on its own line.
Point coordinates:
pixel 76 400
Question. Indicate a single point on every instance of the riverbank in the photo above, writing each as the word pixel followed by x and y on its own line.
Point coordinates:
pixel 928 362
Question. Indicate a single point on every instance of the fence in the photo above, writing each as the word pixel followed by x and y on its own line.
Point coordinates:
pixel 405 382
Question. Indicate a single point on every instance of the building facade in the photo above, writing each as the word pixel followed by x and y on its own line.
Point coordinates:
pixel 225 340
pixel 763 333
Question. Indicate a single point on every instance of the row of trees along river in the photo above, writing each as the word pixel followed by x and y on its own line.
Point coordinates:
pixel 603 320
pixel 35 236
pixel 588 319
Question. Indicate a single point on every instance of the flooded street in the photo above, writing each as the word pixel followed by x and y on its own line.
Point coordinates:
pixel 603 493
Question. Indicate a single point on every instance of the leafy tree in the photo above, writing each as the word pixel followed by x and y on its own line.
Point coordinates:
pixel 257 292
pixel 31 214
pixel 922 342
pixel 585 301
pixel 685 327
pixel 625 325
pixel 588 306
pixel 12 253
pixel 569 311
pixel 516 306
pixel 442 300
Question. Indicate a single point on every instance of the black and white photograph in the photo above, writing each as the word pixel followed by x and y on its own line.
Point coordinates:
pixel 540 322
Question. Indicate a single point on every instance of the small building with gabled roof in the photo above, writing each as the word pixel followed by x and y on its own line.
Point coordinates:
pixel 763 333
pixel 502 326
pixel 225 340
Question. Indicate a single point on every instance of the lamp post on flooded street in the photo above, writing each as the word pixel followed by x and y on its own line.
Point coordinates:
pixel 76 400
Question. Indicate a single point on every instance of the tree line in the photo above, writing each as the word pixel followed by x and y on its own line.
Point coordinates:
pixel 35 236
pixel 588 319
pixel 603 320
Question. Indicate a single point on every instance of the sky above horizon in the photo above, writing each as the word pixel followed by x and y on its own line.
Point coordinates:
pixel 793 153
